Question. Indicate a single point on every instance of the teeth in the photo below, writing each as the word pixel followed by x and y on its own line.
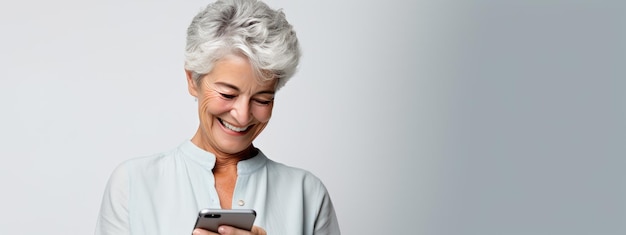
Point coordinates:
pixel 234 128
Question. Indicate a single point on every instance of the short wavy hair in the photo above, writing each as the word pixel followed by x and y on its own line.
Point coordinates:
pixel 247 27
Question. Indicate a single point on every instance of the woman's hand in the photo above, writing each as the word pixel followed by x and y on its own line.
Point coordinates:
pixel 228 230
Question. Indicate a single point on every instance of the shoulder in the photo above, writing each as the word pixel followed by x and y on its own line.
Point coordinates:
pixel 148 166
pixel 297 176
pixel 283 169
pixel 151 161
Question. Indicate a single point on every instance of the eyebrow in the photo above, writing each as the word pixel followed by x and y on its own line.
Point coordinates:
pixel 231 86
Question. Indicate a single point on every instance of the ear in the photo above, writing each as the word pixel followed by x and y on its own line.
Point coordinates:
pixel 191 84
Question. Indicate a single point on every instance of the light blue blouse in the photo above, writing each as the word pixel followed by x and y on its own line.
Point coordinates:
pixel 162 194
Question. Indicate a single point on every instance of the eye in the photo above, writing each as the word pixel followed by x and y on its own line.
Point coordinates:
pixel 263 102
pixel 228 96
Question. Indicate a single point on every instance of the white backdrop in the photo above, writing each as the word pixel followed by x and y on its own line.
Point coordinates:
pixel 422 117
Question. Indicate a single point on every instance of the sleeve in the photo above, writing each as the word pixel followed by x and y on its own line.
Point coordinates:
pixel 113 218
pixel 326 222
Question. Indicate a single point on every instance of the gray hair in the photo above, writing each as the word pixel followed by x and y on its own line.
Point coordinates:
pixel 247 27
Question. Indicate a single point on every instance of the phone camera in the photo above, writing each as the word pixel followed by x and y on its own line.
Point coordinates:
pixel 212 216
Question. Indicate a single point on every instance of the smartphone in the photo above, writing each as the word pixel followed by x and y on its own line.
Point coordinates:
pixel 211 219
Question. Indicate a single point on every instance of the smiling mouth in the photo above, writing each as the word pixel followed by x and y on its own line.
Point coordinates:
pixel 232 127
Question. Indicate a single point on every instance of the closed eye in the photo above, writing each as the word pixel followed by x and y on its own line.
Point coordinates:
pixel 263 102
pixel 228 96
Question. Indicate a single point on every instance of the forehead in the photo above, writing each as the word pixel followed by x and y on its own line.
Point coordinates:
pixel 236 72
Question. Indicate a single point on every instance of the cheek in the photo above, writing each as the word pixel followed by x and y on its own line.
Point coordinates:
pixel 213 105
pixel 263 113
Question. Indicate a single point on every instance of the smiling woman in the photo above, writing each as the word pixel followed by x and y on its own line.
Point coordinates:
pixel 239 53
pixel 233 107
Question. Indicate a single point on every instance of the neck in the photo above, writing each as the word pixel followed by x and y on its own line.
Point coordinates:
pixel 224 160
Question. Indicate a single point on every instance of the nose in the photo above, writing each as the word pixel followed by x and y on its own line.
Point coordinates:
pixel 241 111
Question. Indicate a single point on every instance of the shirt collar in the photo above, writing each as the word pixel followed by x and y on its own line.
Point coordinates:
pixel 207 159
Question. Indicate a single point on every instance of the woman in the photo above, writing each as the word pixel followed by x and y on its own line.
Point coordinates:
pixel 238 54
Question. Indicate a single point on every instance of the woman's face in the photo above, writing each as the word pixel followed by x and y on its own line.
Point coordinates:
pixel 233 106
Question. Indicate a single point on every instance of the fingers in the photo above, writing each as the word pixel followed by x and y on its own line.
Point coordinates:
pixel 202 232
pixel 258 230
pixel 228 230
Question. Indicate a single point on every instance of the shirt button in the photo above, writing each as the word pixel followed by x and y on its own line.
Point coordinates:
pixel 241 203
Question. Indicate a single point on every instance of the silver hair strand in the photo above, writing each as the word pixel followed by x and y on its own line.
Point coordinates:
pixel 247 27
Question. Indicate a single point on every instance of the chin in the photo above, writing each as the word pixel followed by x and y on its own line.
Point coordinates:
pixel 233 148
pixel 234 151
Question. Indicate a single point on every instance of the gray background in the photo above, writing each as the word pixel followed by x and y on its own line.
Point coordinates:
pixel 422 117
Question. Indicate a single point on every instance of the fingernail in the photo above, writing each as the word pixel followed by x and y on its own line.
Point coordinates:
pixel 221 229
